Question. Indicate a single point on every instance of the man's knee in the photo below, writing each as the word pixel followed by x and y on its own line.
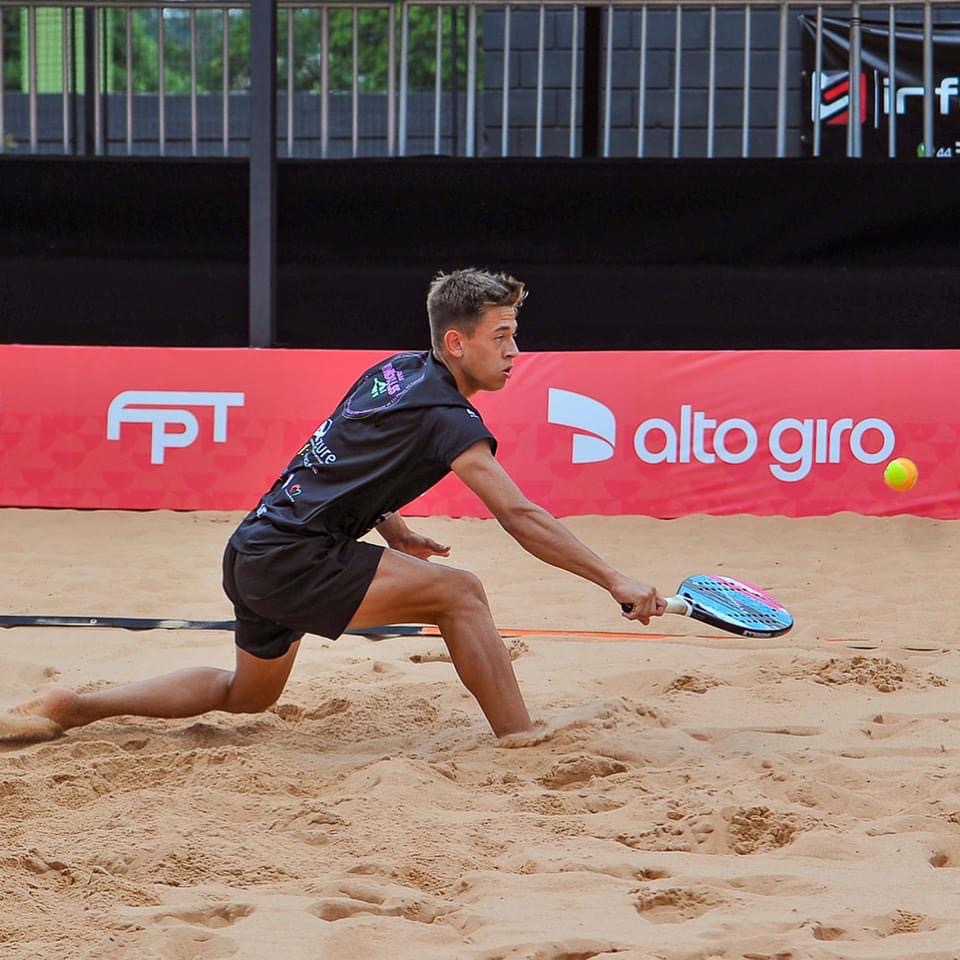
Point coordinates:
pixel 464 594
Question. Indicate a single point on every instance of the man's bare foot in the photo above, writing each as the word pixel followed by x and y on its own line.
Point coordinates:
pixel 584 715
pixel 42 718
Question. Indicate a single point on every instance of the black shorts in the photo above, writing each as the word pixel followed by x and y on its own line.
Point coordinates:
pixel 309 585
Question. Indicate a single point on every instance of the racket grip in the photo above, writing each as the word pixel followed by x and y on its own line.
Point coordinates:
pixel 674 605
pixel 678 605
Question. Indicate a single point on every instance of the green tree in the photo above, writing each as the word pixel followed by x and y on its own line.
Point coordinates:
pixel 373 45
pixel 11 49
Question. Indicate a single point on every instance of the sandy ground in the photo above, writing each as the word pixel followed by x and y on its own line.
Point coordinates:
pixel 711 798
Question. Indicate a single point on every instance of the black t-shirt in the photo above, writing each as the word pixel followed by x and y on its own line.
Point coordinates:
pixel 390 439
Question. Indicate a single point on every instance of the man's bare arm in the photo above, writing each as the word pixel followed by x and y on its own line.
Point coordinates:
pixel 542 535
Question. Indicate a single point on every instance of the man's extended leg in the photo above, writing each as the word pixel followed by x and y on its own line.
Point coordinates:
pixel 409 590
pixel 253 686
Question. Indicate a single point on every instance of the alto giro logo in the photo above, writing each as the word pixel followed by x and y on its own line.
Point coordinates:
pixel 794 444
pixel 167 408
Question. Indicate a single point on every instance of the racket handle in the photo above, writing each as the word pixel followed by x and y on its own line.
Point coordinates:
pixel 679 605
pixel 674 605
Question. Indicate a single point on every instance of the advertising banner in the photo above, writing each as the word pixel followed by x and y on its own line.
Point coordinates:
pixel 662 434
pixel 882 96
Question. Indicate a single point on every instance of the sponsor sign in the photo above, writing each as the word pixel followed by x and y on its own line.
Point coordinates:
pixel 662 434
pixel 883 96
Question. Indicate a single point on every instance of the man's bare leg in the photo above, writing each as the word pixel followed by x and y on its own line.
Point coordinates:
pixel 409 590
pixel 253 686
pixel 404 589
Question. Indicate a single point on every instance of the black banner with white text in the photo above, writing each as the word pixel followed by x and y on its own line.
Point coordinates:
pixel 829 90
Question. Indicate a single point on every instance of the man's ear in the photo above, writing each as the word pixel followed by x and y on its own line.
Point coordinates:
pixel 453 342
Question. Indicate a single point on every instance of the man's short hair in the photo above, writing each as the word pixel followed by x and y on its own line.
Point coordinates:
pixel 458 298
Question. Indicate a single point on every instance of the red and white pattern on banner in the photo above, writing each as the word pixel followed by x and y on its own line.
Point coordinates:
pixel 662 434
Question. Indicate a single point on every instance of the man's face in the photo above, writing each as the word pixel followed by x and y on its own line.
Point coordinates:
pixel 488 354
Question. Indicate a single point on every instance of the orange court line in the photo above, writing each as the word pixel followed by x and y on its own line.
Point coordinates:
pixel 429 631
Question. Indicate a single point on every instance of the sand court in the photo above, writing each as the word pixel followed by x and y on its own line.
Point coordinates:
pixel 696 798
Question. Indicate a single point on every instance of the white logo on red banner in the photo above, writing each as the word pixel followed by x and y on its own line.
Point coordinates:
pixel 792 433
pixel 795 444
pixel 165 408
pixel 570 409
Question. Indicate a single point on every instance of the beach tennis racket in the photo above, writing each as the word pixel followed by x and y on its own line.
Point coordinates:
pixel 730 605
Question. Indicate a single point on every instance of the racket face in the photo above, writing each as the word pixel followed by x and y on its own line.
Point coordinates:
pixel 735 606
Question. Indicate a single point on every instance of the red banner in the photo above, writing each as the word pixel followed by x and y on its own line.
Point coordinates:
pixel 663 434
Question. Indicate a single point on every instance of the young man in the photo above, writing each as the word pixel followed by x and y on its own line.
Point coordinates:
pixel 295 564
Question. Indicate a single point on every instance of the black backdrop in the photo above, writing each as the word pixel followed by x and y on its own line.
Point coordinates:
pixel 618 254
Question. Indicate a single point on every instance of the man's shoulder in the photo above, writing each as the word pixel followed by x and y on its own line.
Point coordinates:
pixel 402 381
pixel 385 385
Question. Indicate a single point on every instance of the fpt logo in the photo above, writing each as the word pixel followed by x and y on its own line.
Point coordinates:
pixel 167 408
pixel 830 97
pixel 794 444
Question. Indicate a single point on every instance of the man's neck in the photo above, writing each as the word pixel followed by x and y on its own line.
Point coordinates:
pixel 457 375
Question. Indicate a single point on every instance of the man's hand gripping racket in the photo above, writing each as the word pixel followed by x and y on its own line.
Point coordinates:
pixel 727 604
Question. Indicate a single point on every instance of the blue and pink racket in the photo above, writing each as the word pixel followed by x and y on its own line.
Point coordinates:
pixel 730 605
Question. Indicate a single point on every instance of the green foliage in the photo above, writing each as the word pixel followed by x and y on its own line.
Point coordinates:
pixel 11 48
pixel 372 48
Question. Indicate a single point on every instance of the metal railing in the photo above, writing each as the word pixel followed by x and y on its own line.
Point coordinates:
pixel 636 78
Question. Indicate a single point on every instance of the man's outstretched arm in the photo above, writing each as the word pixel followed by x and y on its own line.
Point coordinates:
pixel 542 535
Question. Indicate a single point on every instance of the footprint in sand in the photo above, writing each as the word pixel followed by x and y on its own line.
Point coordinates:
pixel 675 904
pixel 565 950
pixel 215 917
pixel 740 830
pixel 893 924
pixel 16 730
pixel 650 873
pixel 187 933
pixel 311 823
pixel 946 856
pixel 881 673
pixel 580 769
pixel 692 683
pixel 775 885
pixel 356 899
pixel 295 712
pixel 187 943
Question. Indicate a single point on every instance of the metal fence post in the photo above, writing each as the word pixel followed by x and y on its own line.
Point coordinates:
pixel 854 125
pixel 3 132
pixel 470 137
pixel 928 145
pixel 782 83
pixel 263 172
pixel 89 80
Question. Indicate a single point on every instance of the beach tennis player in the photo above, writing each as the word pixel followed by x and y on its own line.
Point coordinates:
pixel 296 565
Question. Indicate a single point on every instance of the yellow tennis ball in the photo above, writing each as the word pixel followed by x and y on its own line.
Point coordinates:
pixel 900 474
